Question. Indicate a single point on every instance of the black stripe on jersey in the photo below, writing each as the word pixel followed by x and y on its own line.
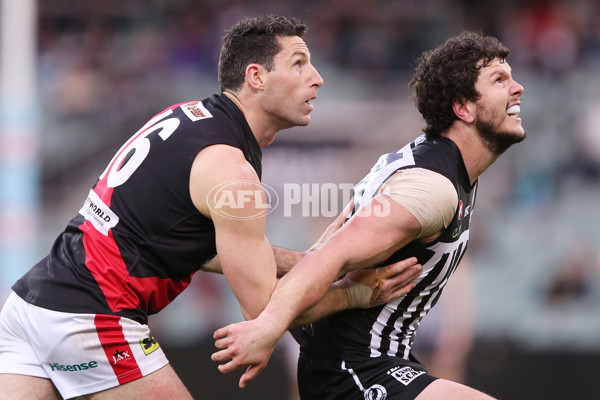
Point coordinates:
pixel 438 272
pixel 404 304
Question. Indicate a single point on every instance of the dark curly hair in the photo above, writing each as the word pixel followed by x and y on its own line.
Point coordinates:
pixel 449 73
pixel 253 40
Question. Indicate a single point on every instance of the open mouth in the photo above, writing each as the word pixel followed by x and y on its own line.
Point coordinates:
pixel 514 110
pixel 308 103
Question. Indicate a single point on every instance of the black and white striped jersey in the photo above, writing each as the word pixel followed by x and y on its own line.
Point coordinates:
pixel 389 330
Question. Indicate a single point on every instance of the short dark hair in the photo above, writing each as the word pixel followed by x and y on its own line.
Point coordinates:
pixel 253 40
pixel 449 73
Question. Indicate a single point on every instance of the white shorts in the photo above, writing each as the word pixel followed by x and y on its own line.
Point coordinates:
pixel 80 353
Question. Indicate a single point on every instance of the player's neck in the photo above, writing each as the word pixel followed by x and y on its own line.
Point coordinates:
pixel 261 129
pixel 475 153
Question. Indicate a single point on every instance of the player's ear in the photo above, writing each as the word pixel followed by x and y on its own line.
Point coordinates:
pixel 256 76
pixel 464 110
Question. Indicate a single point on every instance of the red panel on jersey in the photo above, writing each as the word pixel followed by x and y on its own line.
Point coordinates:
pixel 164 291
pixel 123 292
pixel 103 259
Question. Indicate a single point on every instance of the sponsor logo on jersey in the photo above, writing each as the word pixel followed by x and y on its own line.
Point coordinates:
pixel 149 344
pixel 74 367
pixel 98 213
pixel 120 356
pixel 376 392
pixel 460 210
pixel 195 110
pixel 404 375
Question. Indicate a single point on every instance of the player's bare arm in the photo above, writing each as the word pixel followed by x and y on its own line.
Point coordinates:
pixel 362 289
pixel 285 259
pixel 245 254
pixel 368 238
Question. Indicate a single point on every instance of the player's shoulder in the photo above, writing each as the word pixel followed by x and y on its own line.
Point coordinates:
pixel 200 112
pixel 439 154
pixel 204 122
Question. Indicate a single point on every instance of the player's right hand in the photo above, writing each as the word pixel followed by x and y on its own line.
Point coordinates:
pixel 245 344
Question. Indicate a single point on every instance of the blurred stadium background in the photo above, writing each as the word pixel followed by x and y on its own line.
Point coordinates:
pixel 77 78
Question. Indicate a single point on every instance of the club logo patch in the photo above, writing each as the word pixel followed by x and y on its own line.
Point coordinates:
pixel 376 392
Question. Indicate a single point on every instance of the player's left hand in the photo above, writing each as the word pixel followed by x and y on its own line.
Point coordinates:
pixel 385 283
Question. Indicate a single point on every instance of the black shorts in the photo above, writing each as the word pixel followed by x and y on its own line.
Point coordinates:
pixel 373 379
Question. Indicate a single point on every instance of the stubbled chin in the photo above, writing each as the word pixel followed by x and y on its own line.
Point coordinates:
pixel 514 125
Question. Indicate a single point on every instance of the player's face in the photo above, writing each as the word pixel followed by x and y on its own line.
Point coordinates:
pixel 497 111
pixel 292 85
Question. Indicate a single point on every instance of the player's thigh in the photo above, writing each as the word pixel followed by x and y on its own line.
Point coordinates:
pixel 448 390
pixel 162 384
pixel 16 387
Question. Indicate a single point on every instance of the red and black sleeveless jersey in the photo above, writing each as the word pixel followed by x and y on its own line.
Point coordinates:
pixel 138 238
pixel 389 330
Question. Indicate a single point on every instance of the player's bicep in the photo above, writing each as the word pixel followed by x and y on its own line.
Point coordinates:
pixel 226 189
pixel 218 171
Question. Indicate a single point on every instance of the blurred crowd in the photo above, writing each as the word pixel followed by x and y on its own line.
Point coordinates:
pixel 105 67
